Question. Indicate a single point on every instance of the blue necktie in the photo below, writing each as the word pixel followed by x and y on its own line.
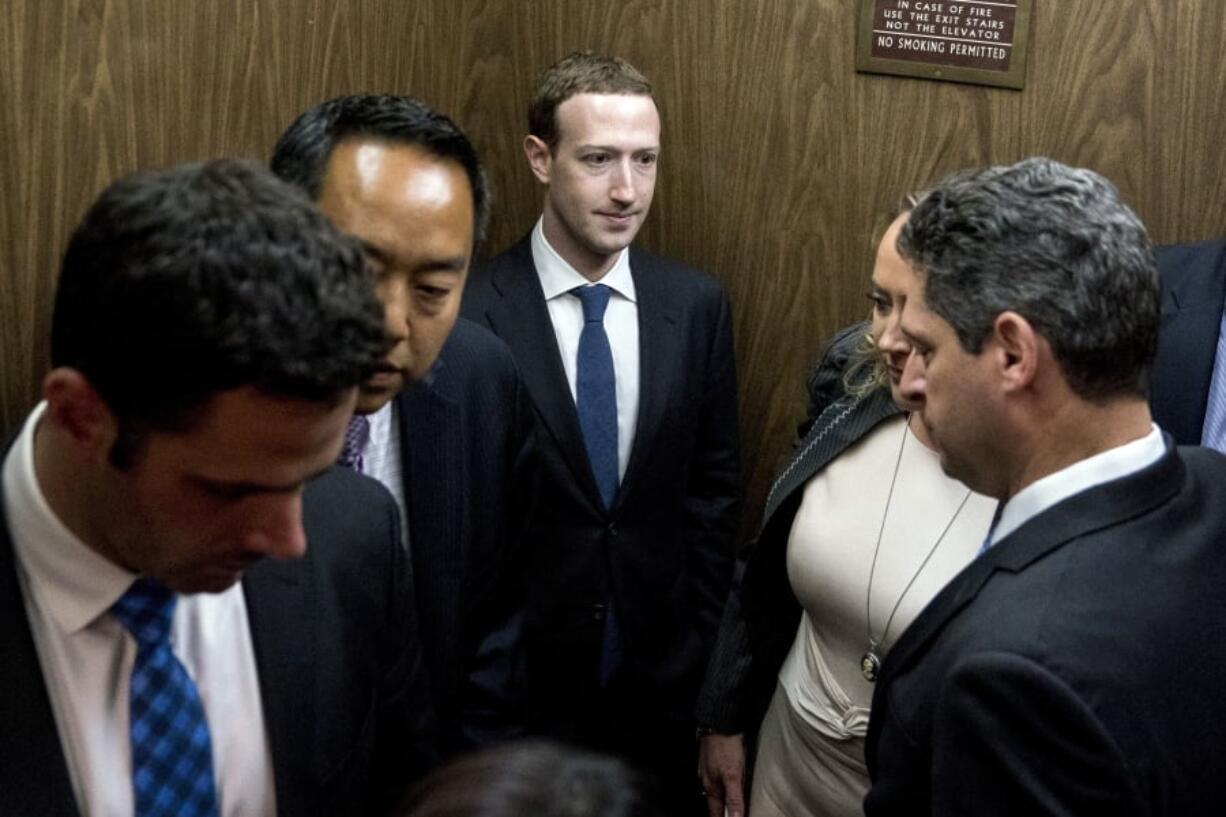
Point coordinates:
pixel 596 401
pixel 596 392
pixel 987 537
pixel 357 435
pixel 1213 434
pixel 172 762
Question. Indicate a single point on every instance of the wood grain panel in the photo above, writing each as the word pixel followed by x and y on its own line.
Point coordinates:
pixel 778 158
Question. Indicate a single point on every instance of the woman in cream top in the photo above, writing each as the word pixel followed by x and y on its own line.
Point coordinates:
pixel 861 529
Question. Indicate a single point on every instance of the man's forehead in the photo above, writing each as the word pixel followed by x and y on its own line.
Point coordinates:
pixel 587 115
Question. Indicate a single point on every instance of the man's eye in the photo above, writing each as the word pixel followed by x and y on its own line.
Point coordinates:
pixel 648 159
pixel 596 159
pixel 432 293
pixel 881 304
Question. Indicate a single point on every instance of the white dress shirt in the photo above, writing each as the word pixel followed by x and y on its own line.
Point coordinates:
pixel 621 324
pixel 87 657
pixel 382 459
pixel 1111 464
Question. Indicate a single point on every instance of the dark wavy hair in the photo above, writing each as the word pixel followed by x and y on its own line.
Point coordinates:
pixel 301 154
pixel 532 778
pixel 189 281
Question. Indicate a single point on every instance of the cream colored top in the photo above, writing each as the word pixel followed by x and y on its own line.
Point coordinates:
pixel 830 556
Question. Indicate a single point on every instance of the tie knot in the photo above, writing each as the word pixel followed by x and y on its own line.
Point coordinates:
pixel 356 437
pixel 145 611
pixel 595 299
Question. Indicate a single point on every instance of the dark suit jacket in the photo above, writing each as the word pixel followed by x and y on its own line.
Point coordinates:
pixel 1193 295
pixel 1075 667
pixel 343 692
pixel 466 452
pixel 762 613
pixel 663 552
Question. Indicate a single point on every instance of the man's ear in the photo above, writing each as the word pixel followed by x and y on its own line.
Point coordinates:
pixel 540 158
pixel 1017 347
pixel 75 407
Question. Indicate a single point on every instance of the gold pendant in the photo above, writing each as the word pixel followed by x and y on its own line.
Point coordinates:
pixel 870 666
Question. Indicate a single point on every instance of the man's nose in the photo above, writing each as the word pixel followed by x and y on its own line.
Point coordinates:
pixel 622 189
pixel 276 531
pixel 912 385
pixel 396 307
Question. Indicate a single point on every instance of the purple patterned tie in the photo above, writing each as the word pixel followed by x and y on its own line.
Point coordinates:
pixel 172 760
pixel 357 435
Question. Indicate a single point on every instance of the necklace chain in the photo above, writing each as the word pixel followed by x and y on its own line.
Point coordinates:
pixel 868 596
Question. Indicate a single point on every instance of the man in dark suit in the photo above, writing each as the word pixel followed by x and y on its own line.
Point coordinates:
pixel 448 425
pixel 1070 669
pixel 1188 387
pixel 209 332
pixel 628 359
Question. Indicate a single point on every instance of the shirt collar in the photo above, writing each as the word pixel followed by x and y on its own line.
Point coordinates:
pixel 66 577
pixel 558 277
pixel 1108 465
pixel 381 423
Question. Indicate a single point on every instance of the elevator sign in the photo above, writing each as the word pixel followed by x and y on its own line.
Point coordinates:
pixel 979 41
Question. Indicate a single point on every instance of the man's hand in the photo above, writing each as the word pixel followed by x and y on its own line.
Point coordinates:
pixel 721 770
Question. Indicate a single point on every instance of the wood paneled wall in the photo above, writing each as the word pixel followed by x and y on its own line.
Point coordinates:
pixel 778 158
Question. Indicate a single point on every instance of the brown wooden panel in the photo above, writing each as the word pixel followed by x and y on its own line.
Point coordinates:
pixel 779 159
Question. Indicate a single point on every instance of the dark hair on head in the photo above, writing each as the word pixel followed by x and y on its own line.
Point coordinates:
pixel 531 778
pixel 302 153
pixel 189 281
pixel 1056 245
pixel 582 72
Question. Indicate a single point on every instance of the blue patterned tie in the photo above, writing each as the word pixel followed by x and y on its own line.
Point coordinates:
pixel 172 762
pixel 1213 433
pixel 596 401
pixel 357 435
pixel 596 392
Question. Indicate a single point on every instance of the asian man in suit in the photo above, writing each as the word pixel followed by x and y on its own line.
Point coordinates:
pixel 177 577
pixel 628 359
pixel 1188 388
pixel 446 423
pixel 1071 668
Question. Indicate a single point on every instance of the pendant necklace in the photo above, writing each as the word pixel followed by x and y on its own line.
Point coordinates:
pixel 870 662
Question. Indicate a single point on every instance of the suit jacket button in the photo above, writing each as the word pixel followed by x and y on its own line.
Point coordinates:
pixel 598 612
pixel 611 530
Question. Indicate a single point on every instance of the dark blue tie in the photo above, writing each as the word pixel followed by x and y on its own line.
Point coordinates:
pixel 596 392
pixel 596 400
pixel 172 762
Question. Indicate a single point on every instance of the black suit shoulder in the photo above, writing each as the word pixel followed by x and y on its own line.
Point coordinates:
pixel 346 703
pixel 1064 670
pixel 1193 278
pixel 476 360
pixel 467 448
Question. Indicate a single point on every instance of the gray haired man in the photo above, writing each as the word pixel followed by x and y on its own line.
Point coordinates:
pixel 1070 669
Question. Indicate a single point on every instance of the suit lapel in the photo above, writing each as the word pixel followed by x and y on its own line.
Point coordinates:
pixel 660 363
pixel 1095 509
pixel 33 772
pixel 841 424
pixel 430 443
pixel 280 614
pixel 521 319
